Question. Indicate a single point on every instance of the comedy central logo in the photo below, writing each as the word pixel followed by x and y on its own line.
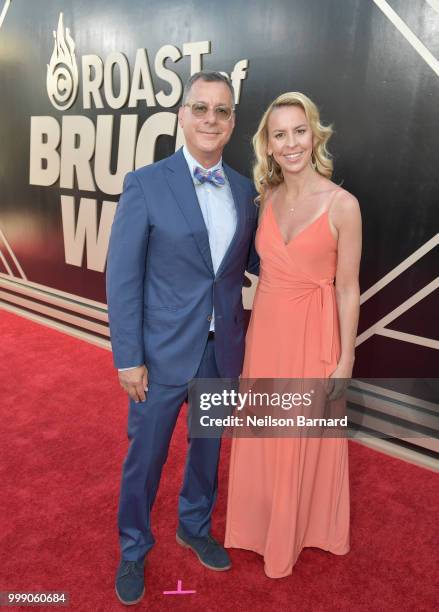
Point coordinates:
pixel 62 71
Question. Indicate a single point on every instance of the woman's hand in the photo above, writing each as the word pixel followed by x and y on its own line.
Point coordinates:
pixel 339 380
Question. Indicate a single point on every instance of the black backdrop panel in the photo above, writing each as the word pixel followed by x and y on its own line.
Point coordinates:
pixel 348 56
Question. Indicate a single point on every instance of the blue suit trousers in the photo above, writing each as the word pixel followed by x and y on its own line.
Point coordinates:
pixel 150 427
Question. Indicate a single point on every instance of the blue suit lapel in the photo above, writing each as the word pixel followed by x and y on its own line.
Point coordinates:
pixel 182 186
pixel 239 198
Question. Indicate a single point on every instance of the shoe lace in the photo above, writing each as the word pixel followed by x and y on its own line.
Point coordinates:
pixel 210 541
pixel 131 567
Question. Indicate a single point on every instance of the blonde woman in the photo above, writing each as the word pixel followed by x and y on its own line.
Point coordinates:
pixel 289 493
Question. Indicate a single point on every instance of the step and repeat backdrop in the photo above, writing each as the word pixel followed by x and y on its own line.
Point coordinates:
pixel 90 89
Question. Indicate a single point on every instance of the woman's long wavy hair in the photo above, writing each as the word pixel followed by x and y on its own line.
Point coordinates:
pixel 266 171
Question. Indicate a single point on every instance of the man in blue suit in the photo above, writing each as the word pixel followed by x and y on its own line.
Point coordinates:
pixel 182 238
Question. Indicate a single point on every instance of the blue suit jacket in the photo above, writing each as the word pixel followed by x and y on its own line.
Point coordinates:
pixel 161 285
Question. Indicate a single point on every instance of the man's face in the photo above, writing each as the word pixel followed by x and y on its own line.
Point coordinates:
pixel 207 135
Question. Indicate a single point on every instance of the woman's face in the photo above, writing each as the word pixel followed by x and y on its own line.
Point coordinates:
pixel 290 138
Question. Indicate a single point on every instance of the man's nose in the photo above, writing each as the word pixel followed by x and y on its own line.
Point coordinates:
pixel 210 116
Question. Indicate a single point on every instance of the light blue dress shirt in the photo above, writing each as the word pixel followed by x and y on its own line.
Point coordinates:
pixel 219 214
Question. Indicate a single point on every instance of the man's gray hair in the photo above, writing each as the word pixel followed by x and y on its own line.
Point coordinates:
pixel 209 77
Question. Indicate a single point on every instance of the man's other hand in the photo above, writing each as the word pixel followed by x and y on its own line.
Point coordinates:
pixel 135 382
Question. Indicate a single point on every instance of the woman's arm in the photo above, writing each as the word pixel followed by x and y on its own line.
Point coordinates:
pixel 345 216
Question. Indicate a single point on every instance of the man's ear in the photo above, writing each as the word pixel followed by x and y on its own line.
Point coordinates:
pixel 180 116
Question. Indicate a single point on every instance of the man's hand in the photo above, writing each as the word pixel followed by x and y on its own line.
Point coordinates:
pixel 135 382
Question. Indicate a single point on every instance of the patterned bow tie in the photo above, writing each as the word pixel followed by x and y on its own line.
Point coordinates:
pixel 216 177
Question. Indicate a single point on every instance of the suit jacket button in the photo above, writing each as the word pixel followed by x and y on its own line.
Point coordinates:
pixel 209 318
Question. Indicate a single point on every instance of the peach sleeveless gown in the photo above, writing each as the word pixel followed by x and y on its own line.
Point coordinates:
pixel 289 493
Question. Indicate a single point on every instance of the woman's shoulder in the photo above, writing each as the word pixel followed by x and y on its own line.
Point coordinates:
pixel 265 200
pixel 267 196
pixel 270 193
pixel 274 195
pixel 343 206
pixel 342 199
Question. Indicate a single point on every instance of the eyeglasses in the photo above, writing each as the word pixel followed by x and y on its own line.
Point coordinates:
pixel 200 110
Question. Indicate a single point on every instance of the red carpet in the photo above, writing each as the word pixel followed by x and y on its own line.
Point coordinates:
pixel 62 443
